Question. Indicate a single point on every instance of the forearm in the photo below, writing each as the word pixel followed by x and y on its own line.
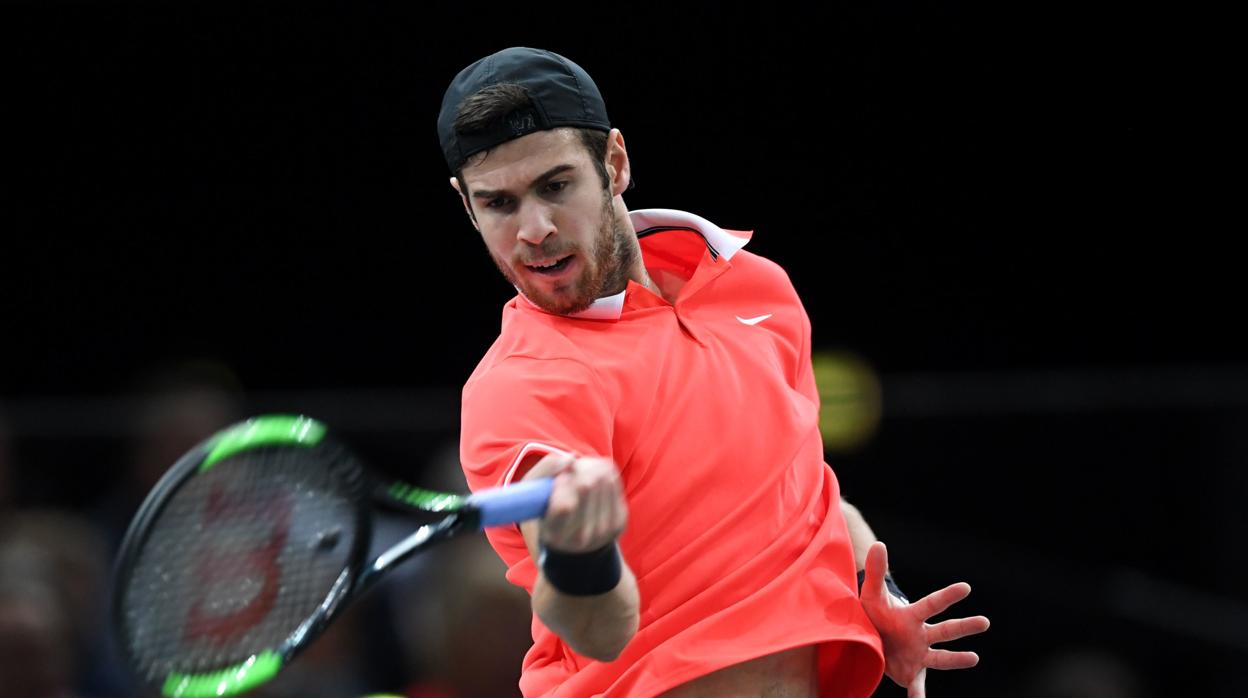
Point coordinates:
pixel 597 626
pixel 587 513
pixel 860 534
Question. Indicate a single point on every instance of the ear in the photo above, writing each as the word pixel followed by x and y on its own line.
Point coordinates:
pixel 467 205
pixel 618 167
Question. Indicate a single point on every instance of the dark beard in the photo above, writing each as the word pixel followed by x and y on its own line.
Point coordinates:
pixel 619 256
pixel 614 253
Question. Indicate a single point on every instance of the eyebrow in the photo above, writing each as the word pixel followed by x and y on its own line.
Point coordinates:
pixel 548 174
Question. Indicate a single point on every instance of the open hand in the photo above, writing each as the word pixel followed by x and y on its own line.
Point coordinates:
pixel 908 638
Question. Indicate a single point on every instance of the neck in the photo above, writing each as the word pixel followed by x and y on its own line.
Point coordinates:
pixel 641 276
pixel 638 273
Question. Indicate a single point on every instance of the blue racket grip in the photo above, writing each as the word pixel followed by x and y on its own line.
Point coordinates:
pixel 513 503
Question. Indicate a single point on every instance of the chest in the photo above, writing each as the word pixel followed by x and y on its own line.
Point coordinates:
pixel 707 391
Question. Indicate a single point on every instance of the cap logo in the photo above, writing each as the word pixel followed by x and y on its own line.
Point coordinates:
pixel 522 123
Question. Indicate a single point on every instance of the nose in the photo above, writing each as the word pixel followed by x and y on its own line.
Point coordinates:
pixel 536 223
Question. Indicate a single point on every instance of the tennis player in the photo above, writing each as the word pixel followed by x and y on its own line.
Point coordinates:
pixel 696 544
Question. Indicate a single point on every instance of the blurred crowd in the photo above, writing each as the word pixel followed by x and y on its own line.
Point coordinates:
pixel 421 633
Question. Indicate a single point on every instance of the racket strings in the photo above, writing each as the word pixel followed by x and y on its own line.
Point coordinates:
pixel 240 557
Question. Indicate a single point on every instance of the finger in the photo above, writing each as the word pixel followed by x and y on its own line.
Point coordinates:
pixel 938 601
pixel 918 687
pixel 560 511
pixel 957 628
pixel 614 509
pixel 582 521
pixel 944 659
pixel 596 520
pixel 619 509
pixel 598 523
pixel 877 564
pixel 563 497
pixel 609 515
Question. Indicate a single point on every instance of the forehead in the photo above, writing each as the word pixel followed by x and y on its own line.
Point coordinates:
pixel 515 164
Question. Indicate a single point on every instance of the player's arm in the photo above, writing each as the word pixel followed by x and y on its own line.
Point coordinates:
pixel 860 534
pixel 597 610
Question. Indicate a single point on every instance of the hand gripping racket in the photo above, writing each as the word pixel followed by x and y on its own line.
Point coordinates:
pixel 254 541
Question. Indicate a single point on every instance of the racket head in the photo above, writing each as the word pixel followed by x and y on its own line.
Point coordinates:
pixel 240 556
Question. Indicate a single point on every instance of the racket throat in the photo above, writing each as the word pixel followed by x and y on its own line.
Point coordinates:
pixel 420 539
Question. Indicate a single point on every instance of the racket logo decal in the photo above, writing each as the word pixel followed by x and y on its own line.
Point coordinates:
pixel 226 575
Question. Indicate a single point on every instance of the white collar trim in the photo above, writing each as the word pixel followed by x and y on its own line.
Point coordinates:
pixel 605 308
pixel 723 242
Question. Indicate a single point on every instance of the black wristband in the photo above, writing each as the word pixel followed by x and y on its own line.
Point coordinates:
pixel 582 574
pixel 888 582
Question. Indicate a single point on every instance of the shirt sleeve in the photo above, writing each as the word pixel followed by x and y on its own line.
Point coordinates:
pixel 518 411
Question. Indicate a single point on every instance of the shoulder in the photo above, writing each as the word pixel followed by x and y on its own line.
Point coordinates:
pixel 513 373
pixel 532 357
pixel 758 264
pixel 762 276
pixel 530 345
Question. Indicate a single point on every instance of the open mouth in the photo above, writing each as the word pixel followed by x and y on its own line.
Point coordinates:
pixel 550 266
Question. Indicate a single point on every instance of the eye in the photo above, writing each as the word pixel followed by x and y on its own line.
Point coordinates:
pixel 497 202
pixel 556 187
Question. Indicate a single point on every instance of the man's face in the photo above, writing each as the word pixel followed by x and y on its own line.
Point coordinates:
pixel 547 221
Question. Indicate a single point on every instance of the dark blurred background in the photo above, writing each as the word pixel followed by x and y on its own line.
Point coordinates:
pixel 1007 225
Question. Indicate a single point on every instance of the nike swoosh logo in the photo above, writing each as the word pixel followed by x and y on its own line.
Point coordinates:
pixel 752 320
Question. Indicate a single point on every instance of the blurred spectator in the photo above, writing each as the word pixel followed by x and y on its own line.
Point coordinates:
pixel 53 572
pixel 35 639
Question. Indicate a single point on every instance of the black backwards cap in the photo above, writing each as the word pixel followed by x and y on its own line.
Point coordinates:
pixel 563 94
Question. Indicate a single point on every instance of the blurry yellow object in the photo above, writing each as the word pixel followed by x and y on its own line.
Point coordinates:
pixel 849 395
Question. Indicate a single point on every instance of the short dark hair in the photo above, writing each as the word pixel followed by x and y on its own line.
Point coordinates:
pixel 491 105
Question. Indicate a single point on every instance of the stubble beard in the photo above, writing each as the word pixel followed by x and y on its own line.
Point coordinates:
pixel 608 265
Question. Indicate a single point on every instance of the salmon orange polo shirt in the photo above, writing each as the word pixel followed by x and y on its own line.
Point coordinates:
pixel 709 409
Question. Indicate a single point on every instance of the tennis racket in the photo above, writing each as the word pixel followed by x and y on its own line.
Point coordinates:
pixel 256 539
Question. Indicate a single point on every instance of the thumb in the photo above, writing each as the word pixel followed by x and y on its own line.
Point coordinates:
pixel 918 687
pixel 877 564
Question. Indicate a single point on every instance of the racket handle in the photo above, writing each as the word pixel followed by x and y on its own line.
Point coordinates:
pixel 513 503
